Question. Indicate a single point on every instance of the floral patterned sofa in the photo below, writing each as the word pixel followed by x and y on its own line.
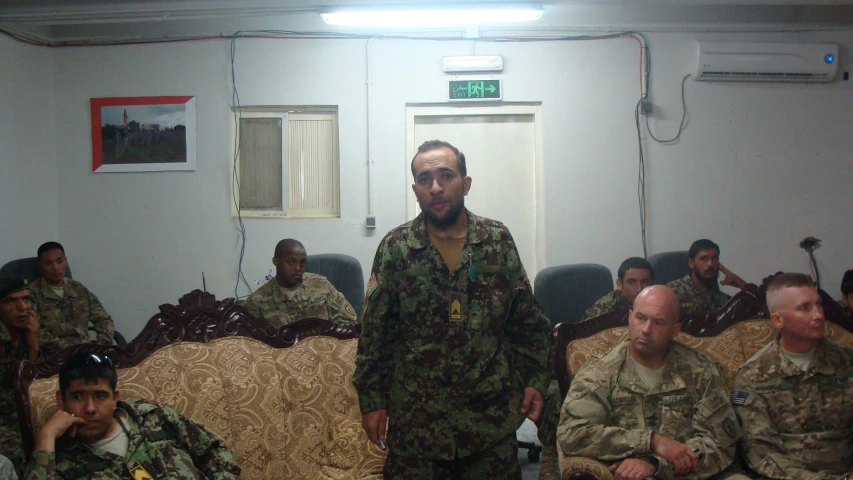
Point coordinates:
pixel 281 398
pixel 730 337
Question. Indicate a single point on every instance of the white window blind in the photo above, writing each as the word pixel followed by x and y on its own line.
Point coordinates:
pixel 288 163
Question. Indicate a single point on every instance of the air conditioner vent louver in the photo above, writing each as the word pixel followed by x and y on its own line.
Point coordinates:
pixel 767 62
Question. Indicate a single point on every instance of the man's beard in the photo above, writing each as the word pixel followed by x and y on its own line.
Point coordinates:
pixel 449 219
pixel 711 284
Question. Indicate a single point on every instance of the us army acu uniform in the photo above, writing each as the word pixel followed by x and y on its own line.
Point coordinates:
pixel 694 301
pixel 609 413
pixel 608 303
pixel 314 297
pixel 11 352
pixel 448 354
pixel 65 319
pixel 161 445
pixel 797 425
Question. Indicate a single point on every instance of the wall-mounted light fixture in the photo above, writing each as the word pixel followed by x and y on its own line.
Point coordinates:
pixel 442 15
pixel 473 63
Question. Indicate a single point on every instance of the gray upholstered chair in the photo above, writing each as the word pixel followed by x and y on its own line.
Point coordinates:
pixel 344 272
pixel 27 267
pixel 669 266
pixel 566 291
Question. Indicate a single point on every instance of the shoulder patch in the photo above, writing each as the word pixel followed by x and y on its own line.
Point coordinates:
pixel 739 397
pixel 371 285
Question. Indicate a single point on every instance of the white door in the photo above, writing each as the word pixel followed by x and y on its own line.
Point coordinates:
pixel 502 147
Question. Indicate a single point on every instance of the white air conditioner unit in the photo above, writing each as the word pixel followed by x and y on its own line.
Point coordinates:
pixel 767 62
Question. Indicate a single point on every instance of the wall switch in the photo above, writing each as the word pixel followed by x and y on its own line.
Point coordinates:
pixel 370 222
pixel 645 107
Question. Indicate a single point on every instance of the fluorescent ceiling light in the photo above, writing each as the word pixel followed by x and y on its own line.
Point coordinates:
pixel 438 16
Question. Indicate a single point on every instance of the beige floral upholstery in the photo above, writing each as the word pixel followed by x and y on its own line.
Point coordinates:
pixel 285 413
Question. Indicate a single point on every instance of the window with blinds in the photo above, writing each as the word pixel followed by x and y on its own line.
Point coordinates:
pixel 287 162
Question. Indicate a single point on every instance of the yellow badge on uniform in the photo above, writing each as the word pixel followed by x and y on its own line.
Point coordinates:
pixel 139 473
pixel 456 307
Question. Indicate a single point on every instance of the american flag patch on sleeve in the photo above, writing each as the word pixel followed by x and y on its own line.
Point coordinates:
pixel 739 397
pixel 604 396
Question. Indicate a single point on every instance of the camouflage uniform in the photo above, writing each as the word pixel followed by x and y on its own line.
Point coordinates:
pixel 608 303
pixel 797 425
pixel 314 297
pixel 65 321
pixel 609 414
pixel 448 354
pixel 11 352
pixel 694 301
pixel 164 444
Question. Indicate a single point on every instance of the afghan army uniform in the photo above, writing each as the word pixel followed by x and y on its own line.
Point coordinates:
pixel 11 352
pixel 161 444
pixel 315 297
pixel 65 321
pixel 694 301
pixel 608 303
pixel 448 354
pixel 610 414
pixel 797 425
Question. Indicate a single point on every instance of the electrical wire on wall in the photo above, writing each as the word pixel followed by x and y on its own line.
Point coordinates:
pixel 235 178
pixel 683 117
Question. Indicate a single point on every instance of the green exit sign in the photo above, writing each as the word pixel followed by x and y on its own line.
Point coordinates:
pixel 472 90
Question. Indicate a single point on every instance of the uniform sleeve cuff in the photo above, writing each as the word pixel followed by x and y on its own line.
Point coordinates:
pixel 642 442
pixel 42 458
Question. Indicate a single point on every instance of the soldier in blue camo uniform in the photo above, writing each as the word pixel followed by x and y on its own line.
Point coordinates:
pixel 96 436
pixel 699 291
pixel 454 348
pixel 19 328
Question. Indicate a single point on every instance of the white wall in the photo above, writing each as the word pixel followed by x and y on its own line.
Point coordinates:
pixel 28 175
pixel 759 167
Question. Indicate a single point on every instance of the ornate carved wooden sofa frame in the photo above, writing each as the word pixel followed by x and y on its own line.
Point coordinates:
pixel 710 334
pixel 300 370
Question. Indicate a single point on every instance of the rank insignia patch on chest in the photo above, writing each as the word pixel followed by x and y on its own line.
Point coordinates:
pixel 455 310
pixel 139 473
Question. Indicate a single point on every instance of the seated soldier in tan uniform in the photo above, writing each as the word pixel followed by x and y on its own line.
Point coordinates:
pixel 65 307
pixel 295 294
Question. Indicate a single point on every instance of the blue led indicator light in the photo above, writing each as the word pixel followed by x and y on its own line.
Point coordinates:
pixel 829 58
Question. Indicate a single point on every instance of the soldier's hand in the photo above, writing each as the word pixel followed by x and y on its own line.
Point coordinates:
pixel 632 469
pixel 59 423
pixel 683 459
pixel 532 404
pixel 31 331
pixel 731 279
pixel 374 424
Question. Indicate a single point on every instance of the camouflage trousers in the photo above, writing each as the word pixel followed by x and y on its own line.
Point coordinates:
pixel 497 463
pixel 549 468
pixel 10 445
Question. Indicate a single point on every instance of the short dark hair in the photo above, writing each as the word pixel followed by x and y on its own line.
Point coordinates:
pixel 285 245
pixel 635 262
pixel 847 283
pixel 48 246
pixel 89 366
pixel 432 145
pixel 701 244
pixel 790 279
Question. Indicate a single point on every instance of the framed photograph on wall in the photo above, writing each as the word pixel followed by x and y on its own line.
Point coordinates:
pixel 143 134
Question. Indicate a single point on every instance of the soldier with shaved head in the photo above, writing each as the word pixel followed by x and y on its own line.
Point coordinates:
pixel 651 407
pixel 295 294
pixel 794 394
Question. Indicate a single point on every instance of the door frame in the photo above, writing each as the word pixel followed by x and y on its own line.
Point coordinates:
pixel 414 110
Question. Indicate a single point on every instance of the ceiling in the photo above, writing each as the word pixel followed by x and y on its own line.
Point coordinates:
pixel 104 21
